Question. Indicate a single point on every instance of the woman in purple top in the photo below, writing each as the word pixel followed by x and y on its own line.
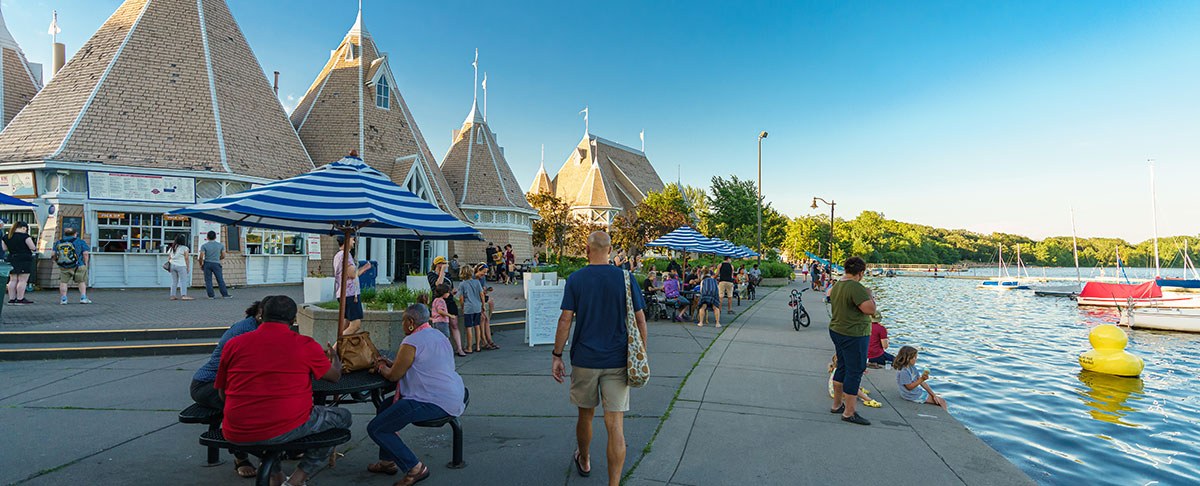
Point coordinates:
pixel 427 388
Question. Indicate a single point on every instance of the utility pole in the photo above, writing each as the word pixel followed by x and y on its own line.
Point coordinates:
pixel 761 136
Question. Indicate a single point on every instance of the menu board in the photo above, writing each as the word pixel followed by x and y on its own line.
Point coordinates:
pixel 202 228
pixel 314 247
pixel 141 187
pixel 542 309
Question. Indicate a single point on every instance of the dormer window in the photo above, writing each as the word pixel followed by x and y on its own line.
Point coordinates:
pixel 383 94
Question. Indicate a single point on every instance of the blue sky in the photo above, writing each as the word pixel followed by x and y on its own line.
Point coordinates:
pixel 993 116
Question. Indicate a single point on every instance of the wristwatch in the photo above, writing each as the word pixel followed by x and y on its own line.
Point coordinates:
pixel 556 355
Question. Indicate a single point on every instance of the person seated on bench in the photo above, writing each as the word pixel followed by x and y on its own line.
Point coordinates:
pixel 652 285
pixel 671 288
pixel 205 394
pixel 427 389
pixel 265 377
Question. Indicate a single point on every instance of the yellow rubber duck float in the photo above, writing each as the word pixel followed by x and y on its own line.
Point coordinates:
pixel 1108 353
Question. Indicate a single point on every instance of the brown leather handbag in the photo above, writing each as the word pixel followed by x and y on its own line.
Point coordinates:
pixel 357 351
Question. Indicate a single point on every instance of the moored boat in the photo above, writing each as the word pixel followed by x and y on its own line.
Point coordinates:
pixel 1162 319
pixel 1099 294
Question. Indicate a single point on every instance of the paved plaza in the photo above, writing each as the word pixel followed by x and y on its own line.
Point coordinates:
pixel 153 309
pixel 746 405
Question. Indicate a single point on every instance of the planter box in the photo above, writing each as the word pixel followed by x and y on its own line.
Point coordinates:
pixel 318 289
pixel 417 283
pixel 321 325
pixel 774 282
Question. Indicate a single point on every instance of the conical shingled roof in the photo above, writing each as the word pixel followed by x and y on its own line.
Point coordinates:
pixel 477 171
pixel 541 182
pixel 18 82
pixel 605 174
pixel 331 119
pixel 168 84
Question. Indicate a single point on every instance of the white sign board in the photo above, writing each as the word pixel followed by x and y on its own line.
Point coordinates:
pixel 202 229
pixel 118 186
pixel 314 247
pixel 18 184
pixel 542 308
pixel 537 278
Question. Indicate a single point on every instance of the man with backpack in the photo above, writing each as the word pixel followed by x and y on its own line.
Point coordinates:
pixel 72 255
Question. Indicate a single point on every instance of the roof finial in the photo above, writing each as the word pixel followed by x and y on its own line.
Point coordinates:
pixel 484 85
pixel 543 166
pixel 475 85
pixel 586 130
pixel 357 29
pixel 642 135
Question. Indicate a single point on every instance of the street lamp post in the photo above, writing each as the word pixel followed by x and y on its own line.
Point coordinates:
pixel 761 136
pixel 831 205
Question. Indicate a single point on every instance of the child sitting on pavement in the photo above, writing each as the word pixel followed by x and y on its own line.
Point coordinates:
pixel 877 355
pixel 912 383
pixel 863 393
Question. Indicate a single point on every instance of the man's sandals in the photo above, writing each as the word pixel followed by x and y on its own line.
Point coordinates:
pixel 579 466
pixel 244 468
pixel 411 479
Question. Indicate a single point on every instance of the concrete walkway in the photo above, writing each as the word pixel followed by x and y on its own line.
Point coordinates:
pixel 755 410
pixel 746 406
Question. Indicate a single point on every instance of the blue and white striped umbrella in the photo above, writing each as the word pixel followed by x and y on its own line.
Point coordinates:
pixel 746 252
pixel 12 201
pixel 724 248
pixel 345 194
pixel 686 239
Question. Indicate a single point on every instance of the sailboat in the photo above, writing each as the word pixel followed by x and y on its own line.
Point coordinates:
pixel 1066 291
pixel 1149 294
pixel 1162 319
pixel 1185 282
pixel 1003 280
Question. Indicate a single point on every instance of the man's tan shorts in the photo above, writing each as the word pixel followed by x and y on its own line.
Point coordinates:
pixel 589 386
pixel 726 289
pixel 70 276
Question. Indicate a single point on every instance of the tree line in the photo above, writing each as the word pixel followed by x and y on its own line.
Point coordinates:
pixel 881 240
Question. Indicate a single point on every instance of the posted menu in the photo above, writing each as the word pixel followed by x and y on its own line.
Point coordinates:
pixel 141 187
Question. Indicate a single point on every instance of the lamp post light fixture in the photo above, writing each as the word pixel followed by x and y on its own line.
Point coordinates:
pixel 831 205
pixel 761 136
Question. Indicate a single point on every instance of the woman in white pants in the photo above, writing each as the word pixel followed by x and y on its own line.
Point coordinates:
pixel 180 267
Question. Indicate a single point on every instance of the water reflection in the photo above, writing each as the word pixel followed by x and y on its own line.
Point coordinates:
pixel 1106 396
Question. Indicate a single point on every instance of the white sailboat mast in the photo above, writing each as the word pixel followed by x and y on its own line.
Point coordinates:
pixel 1000 262
pixel 1154 206
pixel 1075 249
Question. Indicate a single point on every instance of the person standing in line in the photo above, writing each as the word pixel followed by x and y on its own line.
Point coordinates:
pixel 710 299
pixel 725 281
pixel 454 267
pixel 471 293
pixel 354 308
pixel 212 253
pixel 485 321
pixel 510 264
pixel 852 306
pixel 20 247
pixel 595 299
pixel 72 255
pixel 441 275
pixel 179 263
pixel 490 260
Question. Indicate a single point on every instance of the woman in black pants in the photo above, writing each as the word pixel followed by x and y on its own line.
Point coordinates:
pixel 850 330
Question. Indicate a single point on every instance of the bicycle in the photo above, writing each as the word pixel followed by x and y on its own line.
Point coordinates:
pixel 800 316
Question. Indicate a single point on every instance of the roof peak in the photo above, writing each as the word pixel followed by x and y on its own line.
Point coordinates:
pixel 6 38
pixel 357 28
pixel 474 117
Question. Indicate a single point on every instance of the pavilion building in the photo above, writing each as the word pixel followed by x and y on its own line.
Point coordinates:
pixel 355 103
pixel 163 107
pixel 603 179
pixel 487 192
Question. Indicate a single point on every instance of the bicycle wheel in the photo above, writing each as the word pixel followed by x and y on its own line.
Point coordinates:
pixel 796 319
pixel 803 320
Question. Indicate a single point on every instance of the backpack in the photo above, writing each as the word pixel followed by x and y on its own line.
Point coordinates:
pixel 65 254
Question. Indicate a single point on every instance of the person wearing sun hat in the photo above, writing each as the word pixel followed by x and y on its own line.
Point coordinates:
pixel 877 355
pixel 439 274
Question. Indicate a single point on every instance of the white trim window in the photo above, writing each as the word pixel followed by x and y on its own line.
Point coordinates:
pixel 121 232
pixel 274 242
pixel 383 94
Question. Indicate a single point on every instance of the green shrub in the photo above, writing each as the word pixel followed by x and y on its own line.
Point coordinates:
pixel 775 269
pixel 378 298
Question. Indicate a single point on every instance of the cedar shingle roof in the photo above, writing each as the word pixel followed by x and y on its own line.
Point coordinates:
pixel 18 82
pixel 477 171
pixel 162 84
pixel 541 182
pixel 602 173
pixel 330 121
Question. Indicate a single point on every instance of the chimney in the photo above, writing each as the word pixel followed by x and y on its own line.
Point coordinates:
pixel 58 58
pixel 276 87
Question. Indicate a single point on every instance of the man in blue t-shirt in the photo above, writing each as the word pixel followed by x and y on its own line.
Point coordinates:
pixel 595 298
pixel 72 256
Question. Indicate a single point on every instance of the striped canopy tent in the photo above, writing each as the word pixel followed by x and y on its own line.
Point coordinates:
pixel 685 239
pixel 5 199
pixel 744 252
pixel 724 248
pixel 347 197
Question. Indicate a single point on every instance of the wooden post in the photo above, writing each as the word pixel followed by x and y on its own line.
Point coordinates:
pixel 342 284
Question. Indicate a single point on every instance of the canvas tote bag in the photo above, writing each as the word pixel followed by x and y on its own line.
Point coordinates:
pixel 638 366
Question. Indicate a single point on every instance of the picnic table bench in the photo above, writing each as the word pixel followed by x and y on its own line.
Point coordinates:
pixel 270 455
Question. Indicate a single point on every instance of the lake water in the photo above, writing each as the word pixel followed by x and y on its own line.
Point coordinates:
pixel 1008 364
